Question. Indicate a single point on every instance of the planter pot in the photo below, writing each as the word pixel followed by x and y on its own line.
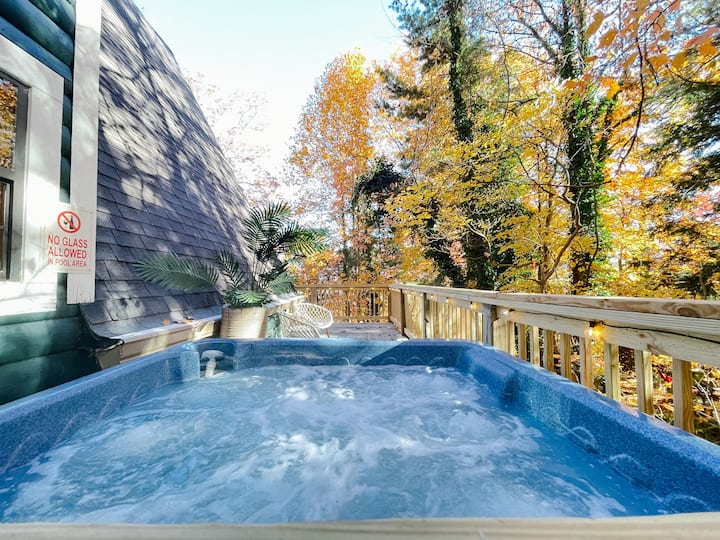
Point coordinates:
pixel 243 322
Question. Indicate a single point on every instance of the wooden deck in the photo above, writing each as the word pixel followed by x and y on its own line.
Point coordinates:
pixel 366 331
pixel 696 526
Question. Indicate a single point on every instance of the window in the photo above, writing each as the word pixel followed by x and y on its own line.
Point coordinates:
pixel 13 127
pixel 8 122
pixel 31 109
pixel 4 229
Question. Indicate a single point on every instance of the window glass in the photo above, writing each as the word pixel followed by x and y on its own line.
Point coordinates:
pixel 8 122
pixel 13 130
pixel 4 229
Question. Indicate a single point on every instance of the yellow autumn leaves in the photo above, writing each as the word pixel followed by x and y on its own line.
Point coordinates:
pixel 8 122
pixel 522 111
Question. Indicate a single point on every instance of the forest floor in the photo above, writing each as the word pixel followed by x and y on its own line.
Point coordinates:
pixel 706 393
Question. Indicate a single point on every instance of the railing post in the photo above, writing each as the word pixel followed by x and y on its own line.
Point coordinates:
pixel 474 329
pixel 500 334
pixel 586 376
pixel 534 345
pixel 643 376
pixel 510 329
pixel 447 308
pixel 507 342
pixel 423 313
pixel 489 315
pixel 682 384
pixel 565 357
pixel 522 341
pixel 548 359
pixel 402 312
pixel 612 371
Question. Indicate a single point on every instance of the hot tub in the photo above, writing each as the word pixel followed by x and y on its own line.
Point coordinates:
pixel 418 429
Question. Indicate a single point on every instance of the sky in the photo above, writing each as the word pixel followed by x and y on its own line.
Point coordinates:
pixel 274 48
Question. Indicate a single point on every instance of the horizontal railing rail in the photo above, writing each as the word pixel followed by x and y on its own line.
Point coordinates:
pixel 350 302
pixel 561 333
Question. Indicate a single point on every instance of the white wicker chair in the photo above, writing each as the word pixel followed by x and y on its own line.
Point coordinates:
pixel 292 326
pixel 318 316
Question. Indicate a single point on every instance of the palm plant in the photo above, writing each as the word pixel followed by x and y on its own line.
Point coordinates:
pixel 273 241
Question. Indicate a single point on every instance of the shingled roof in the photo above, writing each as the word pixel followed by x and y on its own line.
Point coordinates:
pixel 163 182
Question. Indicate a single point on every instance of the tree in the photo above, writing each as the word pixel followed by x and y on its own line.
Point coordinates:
pixel 8 121
pixel 333 146
pixel 557 35
pixel 542 146
pixel 375 232
pixel 688 155
pixel 471 254
pixel 236 119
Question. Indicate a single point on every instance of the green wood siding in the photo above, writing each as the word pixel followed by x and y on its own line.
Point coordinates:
pixel 20 379
pixel 40 351
pixel 36 25
pixel 39 338
pixel 46 29
pixel 59 12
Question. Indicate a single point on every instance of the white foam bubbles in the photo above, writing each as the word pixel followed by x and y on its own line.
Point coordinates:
pixel 317 443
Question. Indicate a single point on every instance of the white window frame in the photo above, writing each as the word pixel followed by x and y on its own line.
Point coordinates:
pixel 36 290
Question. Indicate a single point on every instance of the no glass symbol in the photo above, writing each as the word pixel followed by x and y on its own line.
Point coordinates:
pixel 68 221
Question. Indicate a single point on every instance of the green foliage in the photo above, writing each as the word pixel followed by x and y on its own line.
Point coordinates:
pixel 176 272
pixel 698 133
pixel 269 233
pixel 375 186
pixel 446 35
pixel 521 131
pixel 374 249
pixel 414 98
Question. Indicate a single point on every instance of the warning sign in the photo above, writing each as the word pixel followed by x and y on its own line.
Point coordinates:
pixel 69 243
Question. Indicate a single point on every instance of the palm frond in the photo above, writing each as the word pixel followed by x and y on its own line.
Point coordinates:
pixel 261 225
pixel 245 297
pixel 177 272
pixel 267 232
pixel 231 270
pixel 272 230
pixel 282 284
pixel 307 241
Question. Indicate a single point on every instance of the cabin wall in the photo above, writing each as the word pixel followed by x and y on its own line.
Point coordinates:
pixel 43 340
pixel 161 184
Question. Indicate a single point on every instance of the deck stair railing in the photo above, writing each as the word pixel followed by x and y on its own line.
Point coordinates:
pixel 561 333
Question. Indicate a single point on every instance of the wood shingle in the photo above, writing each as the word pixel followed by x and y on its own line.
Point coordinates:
pixel 163 183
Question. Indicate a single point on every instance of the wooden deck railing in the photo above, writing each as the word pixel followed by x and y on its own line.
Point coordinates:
pixel 351 303
pixel 561 333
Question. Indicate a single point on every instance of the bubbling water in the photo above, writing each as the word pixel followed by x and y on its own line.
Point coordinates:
pixel 299 443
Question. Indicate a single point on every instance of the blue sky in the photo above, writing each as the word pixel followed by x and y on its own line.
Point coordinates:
pixel 274 48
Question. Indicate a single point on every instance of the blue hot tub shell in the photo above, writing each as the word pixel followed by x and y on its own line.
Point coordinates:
pixel 683 470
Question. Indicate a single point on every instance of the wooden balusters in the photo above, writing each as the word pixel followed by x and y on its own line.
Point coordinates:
pixel 569 325
pixel 682 395
pixel 612 371
pixel 643 375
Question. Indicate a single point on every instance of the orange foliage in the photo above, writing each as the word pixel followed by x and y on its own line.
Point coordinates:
pixel 333 145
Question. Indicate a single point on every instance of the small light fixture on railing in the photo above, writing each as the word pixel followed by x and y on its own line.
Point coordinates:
pixel 594 330
pixel 590 330
pixel 505 312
